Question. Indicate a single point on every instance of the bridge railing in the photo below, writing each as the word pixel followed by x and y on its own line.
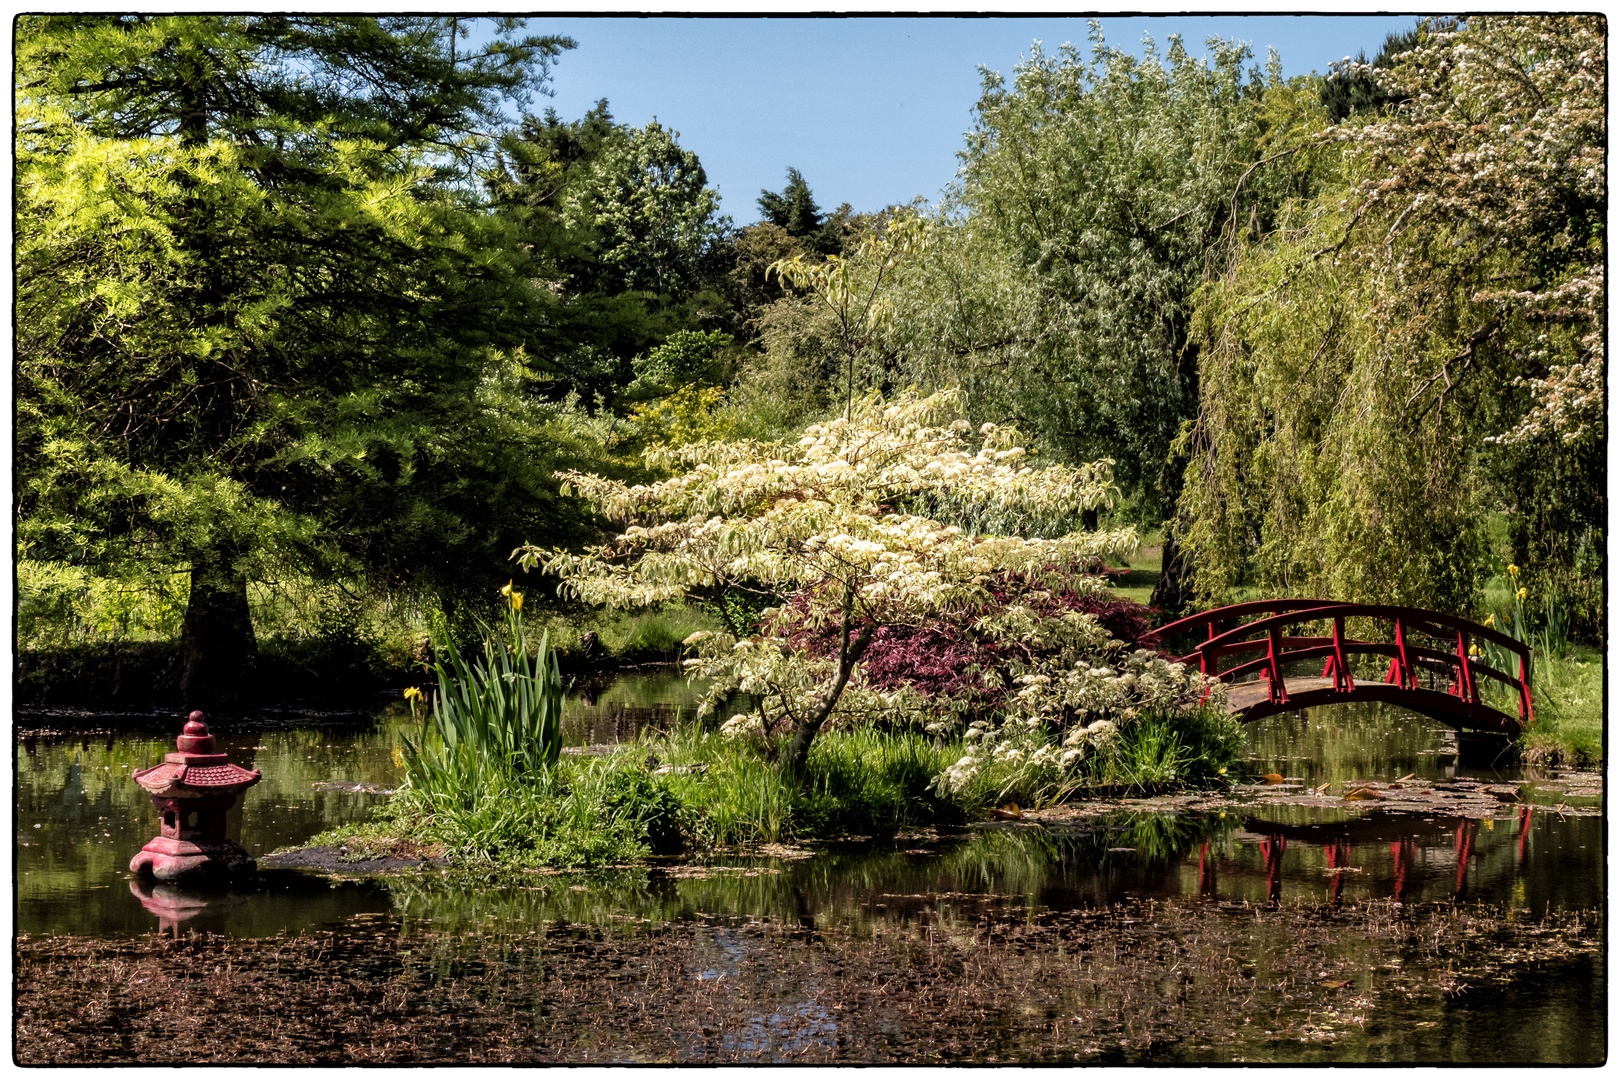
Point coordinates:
pixel 1261 630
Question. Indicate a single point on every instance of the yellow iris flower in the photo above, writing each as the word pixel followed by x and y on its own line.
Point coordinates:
pixel 1490 620
pixel 517 601
pixel 412 692
pixel 1523 593
pixel 1513 570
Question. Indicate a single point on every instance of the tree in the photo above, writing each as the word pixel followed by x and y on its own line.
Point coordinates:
pixel 1420 343
pixel 815 521
pixel 1350 87
pixel 263 325
pixel 795 210
pixel 625 217
pixel 654 216
pixel 851 290
pixel 1092 196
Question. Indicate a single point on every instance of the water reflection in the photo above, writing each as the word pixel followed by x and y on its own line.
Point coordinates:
pixel 80 818
pixel 177 907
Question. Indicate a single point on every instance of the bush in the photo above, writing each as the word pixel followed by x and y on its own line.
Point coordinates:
pixel 658 817
pixel 1147 752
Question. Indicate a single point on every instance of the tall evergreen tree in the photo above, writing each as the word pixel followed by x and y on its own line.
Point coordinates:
pixel 794 209
pixel 1351 87
pixel 261 317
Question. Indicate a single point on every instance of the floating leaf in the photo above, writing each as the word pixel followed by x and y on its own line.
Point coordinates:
pixel 1364 793
pixel 1271 778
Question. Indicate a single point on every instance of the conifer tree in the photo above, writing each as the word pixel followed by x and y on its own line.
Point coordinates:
pixel 260 314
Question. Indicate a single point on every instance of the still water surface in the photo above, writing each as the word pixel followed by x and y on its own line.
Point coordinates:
pixel 80 818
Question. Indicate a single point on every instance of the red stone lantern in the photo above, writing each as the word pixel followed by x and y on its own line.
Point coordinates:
pixel 192 791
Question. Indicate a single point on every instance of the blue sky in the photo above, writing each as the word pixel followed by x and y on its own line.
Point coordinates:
pixel 870 110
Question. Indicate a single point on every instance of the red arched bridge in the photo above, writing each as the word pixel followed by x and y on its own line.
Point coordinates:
pixel 1434 667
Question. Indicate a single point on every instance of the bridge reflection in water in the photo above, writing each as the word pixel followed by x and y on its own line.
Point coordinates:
pixel 1433 854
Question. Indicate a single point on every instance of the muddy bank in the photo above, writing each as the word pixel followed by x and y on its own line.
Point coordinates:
pixel 1129 984
pixel 1568 792
pixel 340 861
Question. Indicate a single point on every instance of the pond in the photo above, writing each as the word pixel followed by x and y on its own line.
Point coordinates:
pixel 1406 921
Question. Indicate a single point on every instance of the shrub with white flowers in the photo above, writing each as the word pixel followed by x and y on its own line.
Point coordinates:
pixel 818 522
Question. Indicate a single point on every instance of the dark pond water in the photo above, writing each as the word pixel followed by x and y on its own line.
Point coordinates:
pixel 80 818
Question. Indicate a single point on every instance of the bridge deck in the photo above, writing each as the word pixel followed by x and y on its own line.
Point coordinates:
pixel 1245 696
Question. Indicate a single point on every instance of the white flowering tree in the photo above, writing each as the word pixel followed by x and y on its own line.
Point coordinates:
pixel 822 523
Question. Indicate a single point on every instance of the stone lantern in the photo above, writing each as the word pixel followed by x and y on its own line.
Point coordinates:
pixel 192 790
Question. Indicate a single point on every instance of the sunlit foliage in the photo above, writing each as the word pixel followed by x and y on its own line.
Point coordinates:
pixel 815 522
pixel 1420 342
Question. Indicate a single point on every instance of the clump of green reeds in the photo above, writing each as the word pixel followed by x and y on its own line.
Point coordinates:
pixel 858 782
pixel 493 717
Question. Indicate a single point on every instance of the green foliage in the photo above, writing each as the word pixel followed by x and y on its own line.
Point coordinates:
pixel 1558 524
pixel 1159 752
pixel 1566 680
pixel 795 211
pixel 858 782
pixel 650 807
pixel 650 210
pixel 59 604
pixel 496 720
pixel 1150 752
pixel 265 329
pixel 653 634
pixel 1059 290
pixel 484 778
pixel 1412 343
pixel 685 359
pixel 586 814
pixel 1350 88
pixel 622 220
pixel 851 293
pixel 601 811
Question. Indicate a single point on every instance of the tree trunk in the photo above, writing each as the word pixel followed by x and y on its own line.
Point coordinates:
pixel 849 654
pixel 218 650
pixel 1174 592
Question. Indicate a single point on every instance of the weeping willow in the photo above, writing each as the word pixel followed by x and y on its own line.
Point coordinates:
pixel 1377 368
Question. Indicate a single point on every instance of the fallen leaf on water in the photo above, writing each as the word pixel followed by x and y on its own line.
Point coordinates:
pixel 1010 812
pixel 1323 788
pixel 1271 778
pixel 1364 793
pixel 1337 984
pixel 1408 776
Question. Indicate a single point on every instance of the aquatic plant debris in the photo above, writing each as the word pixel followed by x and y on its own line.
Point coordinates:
pixel 1570 793
pixel 1133 983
